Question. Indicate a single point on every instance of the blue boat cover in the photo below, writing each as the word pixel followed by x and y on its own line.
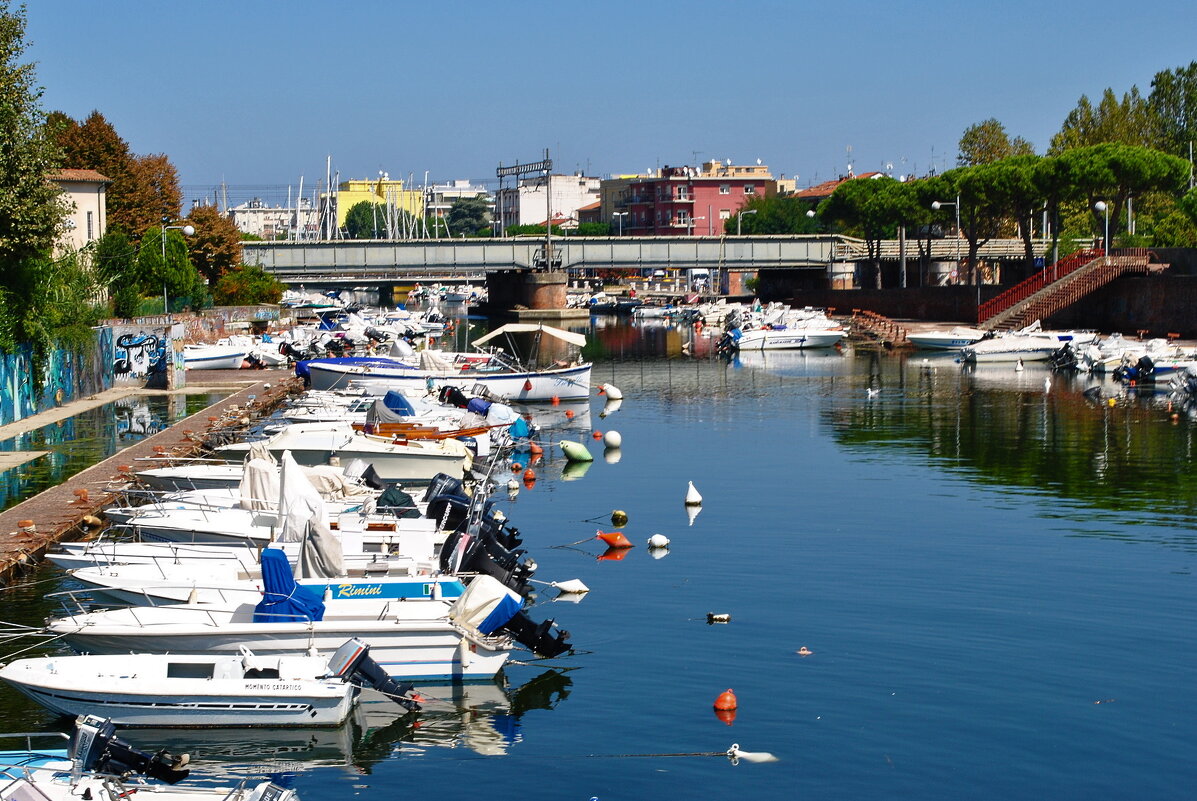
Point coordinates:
pixel 504 610
pixel 519 429
pixel 284 601
pixel 397 402
pixel 478 406
pixel 302 370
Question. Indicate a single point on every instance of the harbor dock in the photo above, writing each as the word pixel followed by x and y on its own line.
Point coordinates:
pixel 29 528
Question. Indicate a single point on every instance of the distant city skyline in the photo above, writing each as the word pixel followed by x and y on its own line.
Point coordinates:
pixel 257 95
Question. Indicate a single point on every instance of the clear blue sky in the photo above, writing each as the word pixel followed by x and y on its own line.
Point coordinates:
pixel 257 93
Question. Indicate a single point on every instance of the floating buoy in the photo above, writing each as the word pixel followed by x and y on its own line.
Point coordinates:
pixel 614 539
pixel 726 700
pixel 804 651
pixel 555 400
pixel 597 435
pixel 535 449
pixel 692 496
pixel 1018 368
pixel 1110 401
pixel 611 391
pixel 613 555
pixel 529 483
pixel 572 586
pixel 619 518
pixel 513 485
pixel 529 475
pixel 718 617
pixel 612 439
pixel 658 541
pixel 576 451
pixel 569 414
pixel 516 467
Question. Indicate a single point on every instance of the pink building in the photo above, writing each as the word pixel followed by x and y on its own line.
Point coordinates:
pixel 685 201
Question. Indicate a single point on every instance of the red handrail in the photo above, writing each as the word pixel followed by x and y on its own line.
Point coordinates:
pixel 1048 275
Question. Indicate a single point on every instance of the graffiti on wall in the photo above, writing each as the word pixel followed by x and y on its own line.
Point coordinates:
pixel 66 376
pixel 136 354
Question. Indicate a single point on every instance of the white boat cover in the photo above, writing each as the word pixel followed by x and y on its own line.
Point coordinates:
pixel 332 483
pixel 521 328
pixel 485 605
pixel 259 487
pixel 298 501
pixel 434 360
pixel 400 349
pixel 260 450
pixel 500 414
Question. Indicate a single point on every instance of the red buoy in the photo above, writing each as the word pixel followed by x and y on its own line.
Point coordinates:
pixel 569 414
pixel 556 400
pixel 726 701
pixel 614 539
pixel 597 435
pixel 529 475
pixel 728 716
pixel 529 483
pixel 516 467
pixel 527 385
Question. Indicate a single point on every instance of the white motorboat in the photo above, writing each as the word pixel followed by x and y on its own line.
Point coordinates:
pixel 214 357
pixel 393 458
pixel 497 374
pixel 789 338
pixel 947 339
pixel 1028 344
pixel 427 640
pixel 242 689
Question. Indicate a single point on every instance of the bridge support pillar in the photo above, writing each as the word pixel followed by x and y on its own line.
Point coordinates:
pixel 529 295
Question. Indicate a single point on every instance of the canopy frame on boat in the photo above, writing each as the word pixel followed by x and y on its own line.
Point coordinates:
pixel 569 337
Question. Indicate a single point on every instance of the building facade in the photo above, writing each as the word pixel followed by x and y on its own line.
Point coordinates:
pixel 527 202
pixel 381 190
pixel 256 218
pixel 87 219
pixel 689 201
pixel 441 197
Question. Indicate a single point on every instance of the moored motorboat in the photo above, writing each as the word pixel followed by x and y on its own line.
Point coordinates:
pixel 946 339
pixel 214 357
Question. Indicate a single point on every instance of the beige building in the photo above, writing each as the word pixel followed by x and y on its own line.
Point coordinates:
pixel 87 217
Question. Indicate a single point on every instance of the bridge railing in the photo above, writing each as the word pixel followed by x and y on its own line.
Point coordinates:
pixel 1040 280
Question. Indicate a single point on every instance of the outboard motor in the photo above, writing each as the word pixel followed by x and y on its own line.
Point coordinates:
pixel 727 345
pixel 475 558
pixel 95 747
pixel 537 637
pixel 1064 358
pixel 352 663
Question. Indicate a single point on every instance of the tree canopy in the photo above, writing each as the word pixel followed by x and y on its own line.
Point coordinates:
pixel 987 142
pixel 247 284
pixel 469 215
pixel 366 220
pixel 774 214
pixel 1129 121
pixel 1173 100
pixel 216 245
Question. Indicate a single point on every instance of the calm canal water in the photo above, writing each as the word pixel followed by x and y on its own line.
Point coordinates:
pixel 995 579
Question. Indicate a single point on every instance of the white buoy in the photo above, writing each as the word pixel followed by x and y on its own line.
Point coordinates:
pixel 692 496
pixel 658 541
pixel 513 485
pixel 611 391
pixel 1018 368
pixel 612 439
pixel 735 755
pixel 692 512
pixel 571 586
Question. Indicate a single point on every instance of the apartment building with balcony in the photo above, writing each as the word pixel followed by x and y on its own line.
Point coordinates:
pixel 526 204
pixel 689 201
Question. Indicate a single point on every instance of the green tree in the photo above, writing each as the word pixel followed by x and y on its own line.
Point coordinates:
pixel 593 229
pixel 366 220
pixel 468 215
pixel 1113 173
pixel 176 277
pixel 867 207
pixel 1173 100
pixel 1188 204
pixel 1129 121
pixel 987 142
pixel 532 230
pixel 216 245
pixel 774 214
pixel 247 284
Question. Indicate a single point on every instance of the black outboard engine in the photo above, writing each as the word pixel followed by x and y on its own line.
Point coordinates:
pixel 95 747
pixel 352 663
pixel 1064 358
pixel 1141 371
pixel 476 558
pixel 727 344
pixel 538 637
pixel 443 484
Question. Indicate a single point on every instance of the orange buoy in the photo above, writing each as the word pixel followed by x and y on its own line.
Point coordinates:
pixel 569 414
pixel 726 701
pixel 535 450
pixel 556 400
pixel 516 467
pixel 597 435
pixel 529 483
pixel 529 475
pixel 614 539
pixel 601 390
pixel 527 385
pixel 728 716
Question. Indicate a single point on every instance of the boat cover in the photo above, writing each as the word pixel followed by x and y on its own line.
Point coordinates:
pixel 397 402
pixel 395 501
pixel 379 412
pixel 500 414
pixel 435 360
pixel 258 449
pixel 486 605
pixel 320 556
pixel 259 487
pixel 298 502
pixel 284 601
pixel 332 483
pixel 517 328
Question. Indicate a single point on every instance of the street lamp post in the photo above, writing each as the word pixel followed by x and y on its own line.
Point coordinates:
pixel 1104 208
pixel 187 231
pixel 936 206
pixel 690 224
pixel 619 215
pixel 740 219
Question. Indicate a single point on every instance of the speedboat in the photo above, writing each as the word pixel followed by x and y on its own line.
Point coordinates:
pixel 1027 344
pixel 947 339
pixel 790 338
pixel 242 689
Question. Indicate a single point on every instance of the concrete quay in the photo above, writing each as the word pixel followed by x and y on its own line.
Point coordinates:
pixel 28 529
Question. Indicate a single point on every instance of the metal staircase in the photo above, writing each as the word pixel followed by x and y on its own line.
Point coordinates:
pixel 1062 284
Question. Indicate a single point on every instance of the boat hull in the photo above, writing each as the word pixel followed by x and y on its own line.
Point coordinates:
pixel 789 339
pixel 564 384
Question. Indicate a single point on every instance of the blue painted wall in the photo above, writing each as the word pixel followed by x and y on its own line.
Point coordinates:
pixel 68 375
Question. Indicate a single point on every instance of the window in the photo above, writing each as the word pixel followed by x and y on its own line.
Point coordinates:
pixel 725 214
pixel 749 189
pixel 90 227
pixel 725 189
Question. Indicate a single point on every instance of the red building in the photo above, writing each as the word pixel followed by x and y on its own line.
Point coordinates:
pixel 685 201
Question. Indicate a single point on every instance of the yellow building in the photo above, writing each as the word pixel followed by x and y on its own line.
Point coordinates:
pixel 379 190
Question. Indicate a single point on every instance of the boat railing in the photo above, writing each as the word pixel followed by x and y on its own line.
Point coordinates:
pixel 83 601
